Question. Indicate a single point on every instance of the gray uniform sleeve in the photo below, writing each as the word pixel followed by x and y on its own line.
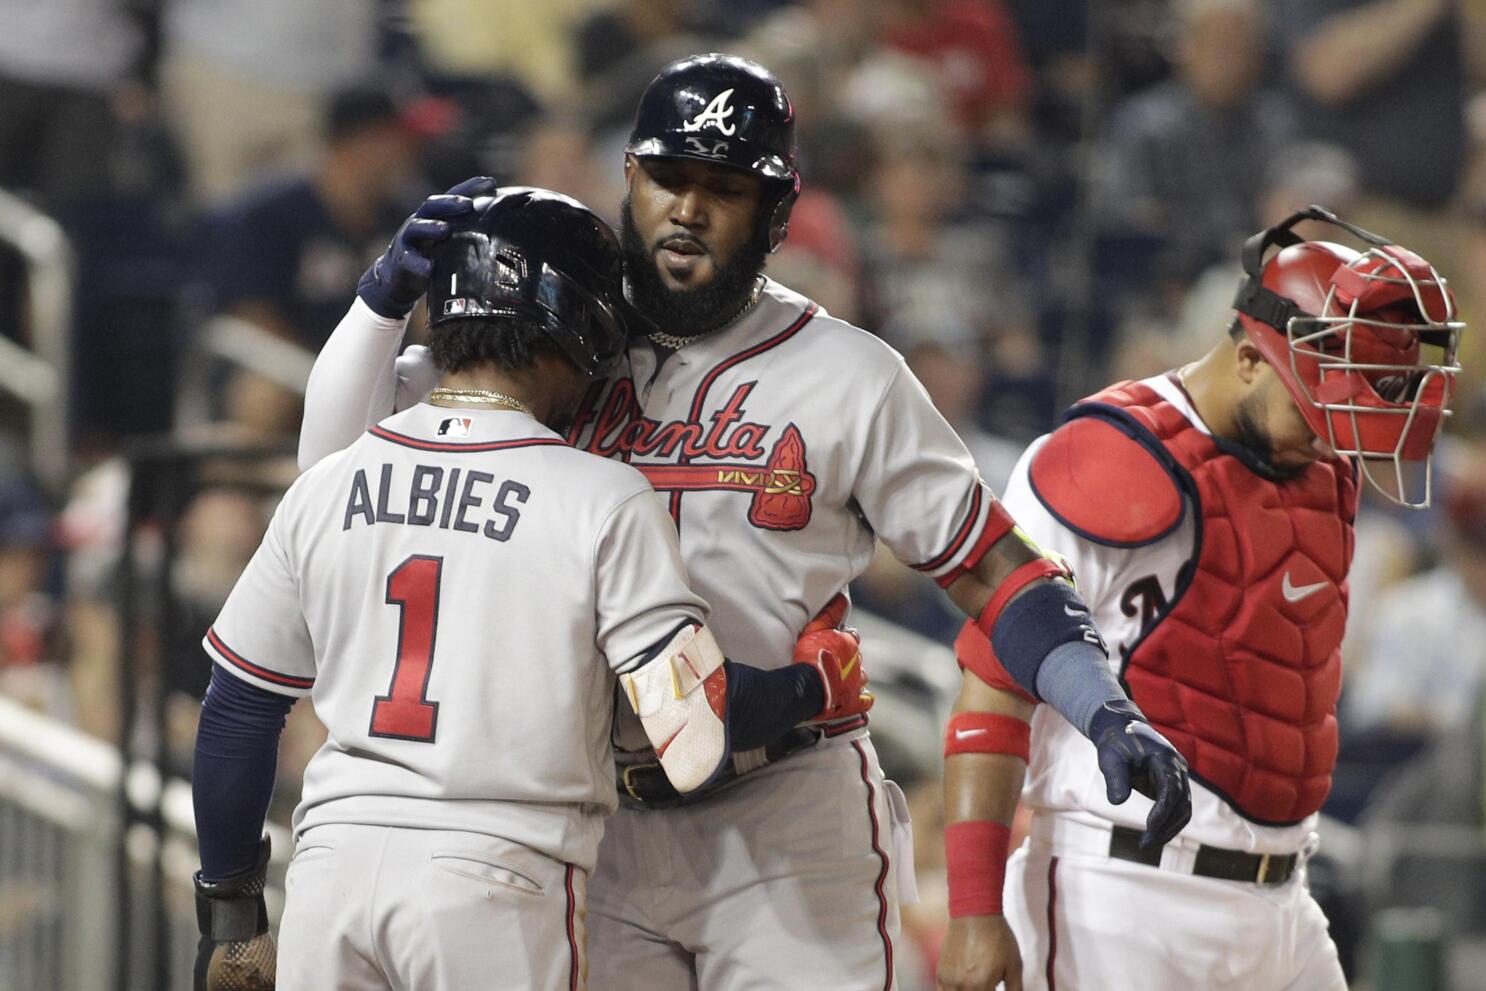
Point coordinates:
pixel 260 635
pixel 641 587
pixel 918 487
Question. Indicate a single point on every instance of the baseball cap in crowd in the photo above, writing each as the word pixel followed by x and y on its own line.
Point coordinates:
pixel 361 106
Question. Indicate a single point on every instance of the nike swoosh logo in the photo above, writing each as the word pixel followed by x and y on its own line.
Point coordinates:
pixel 850 665
pixel 965 734
pixel 1294 593
pixel 1075 613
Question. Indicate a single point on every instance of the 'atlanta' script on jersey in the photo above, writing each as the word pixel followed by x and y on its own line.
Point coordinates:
pixel 738 455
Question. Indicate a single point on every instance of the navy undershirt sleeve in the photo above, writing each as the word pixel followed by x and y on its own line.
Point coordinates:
pixel 237 749
pixel 764 705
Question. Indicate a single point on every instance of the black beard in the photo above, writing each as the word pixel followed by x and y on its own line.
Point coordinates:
pixel 1258 448
pixel 689 312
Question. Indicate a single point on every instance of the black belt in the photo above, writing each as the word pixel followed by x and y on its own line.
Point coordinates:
pixel 1212 861
pixel 646 785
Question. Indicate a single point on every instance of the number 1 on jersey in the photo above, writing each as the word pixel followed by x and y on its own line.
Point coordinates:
pixel 405 712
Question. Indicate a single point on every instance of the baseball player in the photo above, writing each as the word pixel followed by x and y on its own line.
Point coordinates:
pixel 783 442
pixel 456 592
pixel 1220 576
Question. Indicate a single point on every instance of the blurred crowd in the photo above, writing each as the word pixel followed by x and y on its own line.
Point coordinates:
pixel 1028 198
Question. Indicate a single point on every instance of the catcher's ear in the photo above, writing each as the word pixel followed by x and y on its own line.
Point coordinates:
pixel 1248 360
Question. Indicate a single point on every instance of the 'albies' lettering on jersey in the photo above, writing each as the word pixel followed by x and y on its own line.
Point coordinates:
pixel 451 500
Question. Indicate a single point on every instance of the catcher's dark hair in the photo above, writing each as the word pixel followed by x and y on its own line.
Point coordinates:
pixel 511 343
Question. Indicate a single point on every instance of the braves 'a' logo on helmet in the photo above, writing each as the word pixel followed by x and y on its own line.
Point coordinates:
pixel 716 114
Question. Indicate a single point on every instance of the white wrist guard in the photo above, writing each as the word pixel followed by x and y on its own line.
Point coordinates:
pixel 681 699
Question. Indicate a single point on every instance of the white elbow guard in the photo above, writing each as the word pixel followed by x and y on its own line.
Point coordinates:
pixel 681 699
pixel 416 376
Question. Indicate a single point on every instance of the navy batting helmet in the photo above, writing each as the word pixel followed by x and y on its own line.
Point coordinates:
pixel 536 255
pixel 725 110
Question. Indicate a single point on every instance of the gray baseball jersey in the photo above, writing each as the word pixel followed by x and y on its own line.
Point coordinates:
pixel 456 591
pixel 783 444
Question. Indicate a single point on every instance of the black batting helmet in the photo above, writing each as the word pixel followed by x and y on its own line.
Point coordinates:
pixel 725 110
pixel 541 256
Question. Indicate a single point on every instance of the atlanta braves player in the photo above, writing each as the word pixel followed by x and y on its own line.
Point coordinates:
pixel 784 441
pixel 456 592
pixel 1220 576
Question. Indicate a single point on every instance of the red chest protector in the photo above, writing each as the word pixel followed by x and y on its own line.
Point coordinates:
pixel 1242 669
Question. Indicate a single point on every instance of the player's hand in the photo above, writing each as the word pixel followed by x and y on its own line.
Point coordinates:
pixel 1133 755
pixel 978 952
pixel 397 280
pixel 835 652
pixel 236 952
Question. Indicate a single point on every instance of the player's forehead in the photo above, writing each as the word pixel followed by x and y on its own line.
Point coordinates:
pixel 693 170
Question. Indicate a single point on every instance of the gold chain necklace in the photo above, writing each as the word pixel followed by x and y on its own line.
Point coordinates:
pixel 675 342
pixel 481 397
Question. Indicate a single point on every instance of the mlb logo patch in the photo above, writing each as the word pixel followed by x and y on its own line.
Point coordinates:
pixel 453 307
pixel 455 426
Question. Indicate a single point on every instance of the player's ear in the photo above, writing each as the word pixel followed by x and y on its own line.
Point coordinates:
pixel 1247 360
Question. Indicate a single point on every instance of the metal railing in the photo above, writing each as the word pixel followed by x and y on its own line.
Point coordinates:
pixel 59 831
pixel 240 344
pixel 40 376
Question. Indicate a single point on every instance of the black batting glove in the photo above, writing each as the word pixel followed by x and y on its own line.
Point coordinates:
pixel 1133 755
pixel 397 280
pixel 236 952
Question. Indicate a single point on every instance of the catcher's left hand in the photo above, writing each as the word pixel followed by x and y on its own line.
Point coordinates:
pixel 835 652
pixel 236 951
pixel 1132 754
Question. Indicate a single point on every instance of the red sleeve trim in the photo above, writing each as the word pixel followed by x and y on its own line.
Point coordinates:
pixel 944 557
pixel 998 524
pixel 257 671
pixel 974 654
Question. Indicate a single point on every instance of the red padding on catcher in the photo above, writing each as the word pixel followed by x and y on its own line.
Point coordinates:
pixel 1103 484
pixel 1014 583
pixel 975 860
pixel 985 733
pixel 974 654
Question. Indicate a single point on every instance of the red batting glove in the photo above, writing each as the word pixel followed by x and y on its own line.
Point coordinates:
pixel 835 653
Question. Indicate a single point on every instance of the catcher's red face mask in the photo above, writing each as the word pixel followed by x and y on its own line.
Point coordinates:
pixel 1365 342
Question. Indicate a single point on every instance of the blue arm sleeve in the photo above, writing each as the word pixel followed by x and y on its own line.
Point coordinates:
pixel 764 705
pixel 1046 640
pixel 237 749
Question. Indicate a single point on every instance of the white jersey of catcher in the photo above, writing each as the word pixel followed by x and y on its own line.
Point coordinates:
pixel 456 591
pixel 1062 775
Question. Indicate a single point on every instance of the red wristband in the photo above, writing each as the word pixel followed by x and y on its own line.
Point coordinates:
pixel 975 860
pixel 985 733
